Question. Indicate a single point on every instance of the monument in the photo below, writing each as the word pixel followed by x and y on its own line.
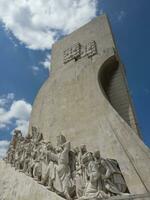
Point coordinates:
pixel 83 140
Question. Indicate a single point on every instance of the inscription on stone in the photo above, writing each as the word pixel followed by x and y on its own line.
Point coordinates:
pixel 78 51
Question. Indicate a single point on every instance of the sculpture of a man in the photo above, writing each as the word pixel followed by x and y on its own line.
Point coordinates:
pixel 113 179
pixel 80 171
pixel 93 188
pixel 62 182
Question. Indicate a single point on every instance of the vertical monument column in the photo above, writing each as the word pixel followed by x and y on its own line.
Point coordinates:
pixel 87 100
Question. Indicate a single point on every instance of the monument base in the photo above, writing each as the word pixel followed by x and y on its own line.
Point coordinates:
pixel 15 185
pixel 145 196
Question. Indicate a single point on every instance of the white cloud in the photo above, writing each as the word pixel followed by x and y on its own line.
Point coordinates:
pixel 19 110
pixel 10 96
pixel 47 62
pixel 3 148
pixel 2 102
pixel 17 113
pixel 121 15
pixel 5 99
pixel 4 143
pixel 35 70
pixel 38 23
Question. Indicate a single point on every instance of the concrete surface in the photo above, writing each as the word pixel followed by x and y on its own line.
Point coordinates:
pixel 15 185
pixel 72 102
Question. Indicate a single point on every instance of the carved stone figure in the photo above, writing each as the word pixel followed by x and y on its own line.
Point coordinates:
pixel 17 135
pixel 36 136
pixel 60 140
pixel 113 179
pixel 37 170
pixel 71 173
pixel 80 171
pixel 62 182
pixel 93 189
pixel 49 174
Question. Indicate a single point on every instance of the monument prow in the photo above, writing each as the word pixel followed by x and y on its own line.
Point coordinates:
pixel 86 97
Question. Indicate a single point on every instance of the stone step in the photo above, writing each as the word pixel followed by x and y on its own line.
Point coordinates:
pixel 132 197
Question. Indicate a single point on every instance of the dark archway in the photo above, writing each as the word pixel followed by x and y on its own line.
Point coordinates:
pixel 113 83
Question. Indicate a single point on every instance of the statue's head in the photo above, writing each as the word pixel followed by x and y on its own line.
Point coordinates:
pixel 76 150
pixel 61 139
pixel 17 133
pixel 97 155
pixel 59 149
pixel 87 157
pixel 49 146
pixel 83 149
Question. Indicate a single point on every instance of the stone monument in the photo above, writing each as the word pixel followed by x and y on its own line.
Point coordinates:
pixel 83 140
pixel 86 98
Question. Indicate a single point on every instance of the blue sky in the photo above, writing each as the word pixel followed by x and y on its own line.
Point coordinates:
pixel 29 28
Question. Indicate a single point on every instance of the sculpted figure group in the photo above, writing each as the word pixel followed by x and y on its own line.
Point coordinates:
pixel 73 173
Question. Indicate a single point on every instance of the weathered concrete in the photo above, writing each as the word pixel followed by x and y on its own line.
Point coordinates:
pixel 72 101
pixel 17 186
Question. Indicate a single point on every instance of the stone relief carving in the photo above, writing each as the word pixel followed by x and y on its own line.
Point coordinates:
pixel 73 173
pixel 78 51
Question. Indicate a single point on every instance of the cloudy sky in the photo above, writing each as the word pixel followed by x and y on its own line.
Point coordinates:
pixel 28 28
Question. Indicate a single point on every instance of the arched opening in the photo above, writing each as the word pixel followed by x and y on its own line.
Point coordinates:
pixel 112 81
pixel 106 76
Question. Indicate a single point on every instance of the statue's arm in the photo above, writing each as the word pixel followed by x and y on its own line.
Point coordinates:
pixel 66 147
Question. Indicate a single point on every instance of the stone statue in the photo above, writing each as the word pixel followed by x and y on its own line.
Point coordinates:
pixel 80 171
pixel 93 189
pixel 16 137
pixel 60 140
pixel 51 158
pixel 71 173
pixel 37 170
pixel 36 136
pixel 62 182
pixel 113 179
